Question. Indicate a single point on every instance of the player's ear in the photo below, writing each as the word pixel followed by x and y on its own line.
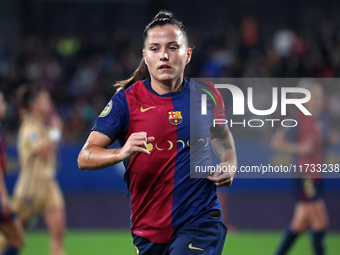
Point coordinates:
pixel 189 53
pixel 144 57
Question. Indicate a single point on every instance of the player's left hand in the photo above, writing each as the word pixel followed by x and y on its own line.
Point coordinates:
pixel 224 176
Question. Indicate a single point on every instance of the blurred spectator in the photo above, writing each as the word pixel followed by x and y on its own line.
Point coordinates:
pixel 79 70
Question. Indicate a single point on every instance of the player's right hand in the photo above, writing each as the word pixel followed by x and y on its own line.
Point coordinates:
pixel 137 142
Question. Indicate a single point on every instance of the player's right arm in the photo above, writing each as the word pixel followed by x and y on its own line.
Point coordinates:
pixel 111 124
pixel 96 155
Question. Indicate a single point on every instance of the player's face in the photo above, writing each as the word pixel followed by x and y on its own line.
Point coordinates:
pixel 166 54
pixel 315 105
pixel 42 104
pixel 3 106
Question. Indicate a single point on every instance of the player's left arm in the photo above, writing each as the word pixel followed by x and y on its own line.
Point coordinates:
pixel 224 147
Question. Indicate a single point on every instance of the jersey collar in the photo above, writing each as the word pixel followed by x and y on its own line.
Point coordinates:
pixel 147 83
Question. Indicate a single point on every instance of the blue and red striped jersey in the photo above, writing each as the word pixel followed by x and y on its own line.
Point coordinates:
pixel 310 129
pixel 162 195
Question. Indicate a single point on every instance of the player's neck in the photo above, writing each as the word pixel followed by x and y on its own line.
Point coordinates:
pixel 37 116
pixel 165 87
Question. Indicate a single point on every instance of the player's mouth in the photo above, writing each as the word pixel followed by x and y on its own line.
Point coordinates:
pixel 164 67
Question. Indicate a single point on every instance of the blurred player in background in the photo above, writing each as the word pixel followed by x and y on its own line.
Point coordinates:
pixel 9 224
pixel 171 213
pixel 307 141
pixel 36 191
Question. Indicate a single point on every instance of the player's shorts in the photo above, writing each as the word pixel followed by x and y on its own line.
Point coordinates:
pixel 308 189
pixel 27 207
pixel 205 238
pixel 4 218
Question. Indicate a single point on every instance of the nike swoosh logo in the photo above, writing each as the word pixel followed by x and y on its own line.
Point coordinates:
pixel 194 248
pixel 146 109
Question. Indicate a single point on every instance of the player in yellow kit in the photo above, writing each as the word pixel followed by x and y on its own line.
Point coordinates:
pixel 36 191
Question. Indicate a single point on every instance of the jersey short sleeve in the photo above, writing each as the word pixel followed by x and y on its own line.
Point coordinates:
pixel 114 119
pixel 219 109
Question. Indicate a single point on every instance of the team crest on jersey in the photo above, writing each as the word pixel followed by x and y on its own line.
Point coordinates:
pixel 106 110
pixel 33 137
pixel 175 117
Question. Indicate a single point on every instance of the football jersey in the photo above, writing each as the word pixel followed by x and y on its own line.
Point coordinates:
pixel 37 172
pixel 161 194
pixel 309 128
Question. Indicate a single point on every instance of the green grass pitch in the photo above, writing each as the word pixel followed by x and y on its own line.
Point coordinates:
pixel 120 243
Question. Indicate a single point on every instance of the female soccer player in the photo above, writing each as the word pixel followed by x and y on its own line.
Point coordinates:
pixel 151 116
pixel 36 191
pixel 306 141
pixel 9 224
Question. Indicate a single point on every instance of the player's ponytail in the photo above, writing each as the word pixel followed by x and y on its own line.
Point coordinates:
pixel 162 18
pixel 141 73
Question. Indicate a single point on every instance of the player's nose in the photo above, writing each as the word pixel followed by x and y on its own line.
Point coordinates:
pixel 164 55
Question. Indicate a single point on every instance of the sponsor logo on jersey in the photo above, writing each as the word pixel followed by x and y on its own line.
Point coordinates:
pixel 170 145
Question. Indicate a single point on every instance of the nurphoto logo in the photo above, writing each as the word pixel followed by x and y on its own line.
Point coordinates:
pixel 303 96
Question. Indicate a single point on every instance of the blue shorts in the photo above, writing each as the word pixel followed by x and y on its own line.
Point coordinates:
pixel 205 238
pixel 308 189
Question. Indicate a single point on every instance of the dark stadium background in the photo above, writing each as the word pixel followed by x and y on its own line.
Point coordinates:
pixel 77 49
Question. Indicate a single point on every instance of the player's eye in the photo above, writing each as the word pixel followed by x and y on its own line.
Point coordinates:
pixel 173 47
pixel 154 49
